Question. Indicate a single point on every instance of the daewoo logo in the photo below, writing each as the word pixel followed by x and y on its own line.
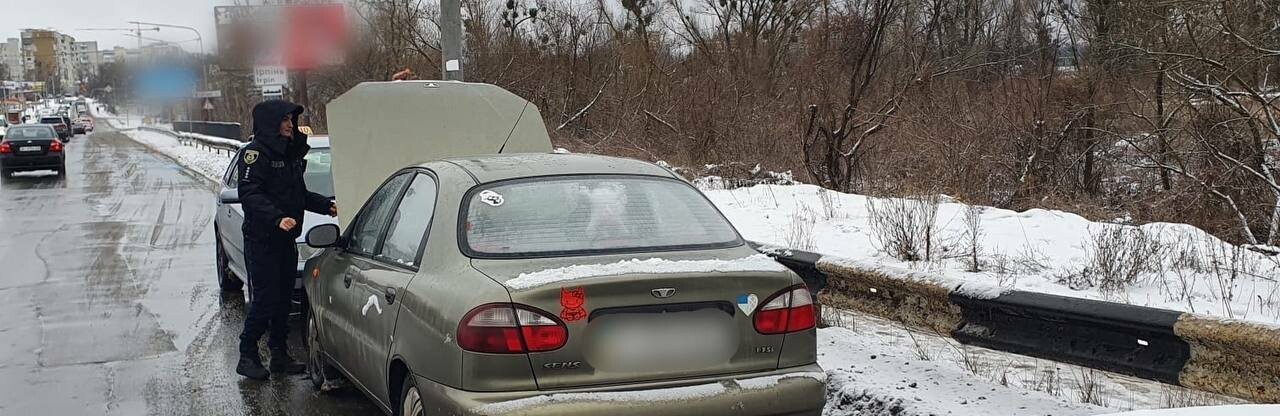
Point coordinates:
pixel 663 293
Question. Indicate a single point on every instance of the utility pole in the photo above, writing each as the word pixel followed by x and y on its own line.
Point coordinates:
pixel 451 39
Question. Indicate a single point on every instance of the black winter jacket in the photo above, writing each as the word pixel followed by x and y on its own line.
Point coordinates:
pixel 270 166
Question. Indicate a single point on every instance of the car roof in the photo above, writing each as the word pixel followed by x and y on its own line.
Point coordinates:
pixel 491 168
pixel 30 126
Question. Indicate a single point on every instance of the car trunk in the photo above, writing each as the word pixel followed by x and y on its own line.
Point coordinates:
pixel 648 320
pixel 30 147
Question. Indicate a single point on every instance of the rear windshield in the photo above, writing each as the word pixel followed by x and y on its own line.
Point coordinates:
pixel 33 132
pixel 51 120
pixel 568 215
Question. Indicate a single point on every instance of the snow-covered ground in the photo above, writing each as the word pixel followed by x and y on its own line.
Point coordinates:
pixel 876 366
pixel 1237 410
pixel 1172 266
pixel 113 120
pixel 210 164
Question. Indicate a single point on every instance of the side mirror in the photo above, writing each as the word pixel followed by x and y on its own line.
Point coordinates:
pixel 323 235
pixel 230 196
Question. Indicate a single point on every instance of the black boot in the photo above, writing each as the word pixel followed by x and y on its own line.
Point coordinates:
pixel 282 363
pixel 251 367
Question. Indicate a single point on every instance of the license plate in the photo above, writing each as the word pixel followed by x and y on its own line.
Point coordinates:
pixel 29 148
pixel 670 341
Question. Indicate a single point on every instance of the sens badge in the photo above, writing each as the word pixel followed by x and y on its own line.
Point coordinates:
pixel 572 301
pixel 250 156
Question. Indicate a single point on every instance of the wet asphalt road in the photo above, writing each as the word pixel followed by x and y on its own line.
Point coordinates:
pixel 108 300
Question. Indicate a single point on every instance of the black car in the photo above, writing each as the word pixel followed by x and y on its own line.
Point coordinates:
pixel 31 147
pixel 71 125
pixel 60 125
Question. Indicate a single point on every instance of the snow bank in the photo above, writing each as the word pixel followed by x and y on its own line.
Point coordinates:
pixel 112 120
pixel 758 262
pixel 1036 250
pixel 208 164
pixel 977 290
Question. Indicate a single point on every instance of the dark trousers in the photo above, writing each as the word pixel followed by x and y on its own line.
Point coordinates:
pixel 272 268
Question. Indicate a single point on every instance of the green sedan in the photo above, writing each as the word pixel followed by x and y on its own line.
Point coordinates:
pixel 556 284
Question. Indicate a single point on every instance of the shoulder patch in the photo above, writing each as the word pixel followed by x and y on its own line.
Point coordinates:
pixel 250 156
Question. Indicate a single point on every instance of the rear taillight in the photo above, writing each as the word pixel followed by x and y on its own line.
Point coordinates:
pixel 4 147
pixel 55 146
pixel 790 310
pixel 505 328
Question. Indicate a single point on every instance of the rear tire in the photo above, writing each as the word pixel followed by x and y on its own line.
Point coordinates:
pixel 410 399
pixel 227 281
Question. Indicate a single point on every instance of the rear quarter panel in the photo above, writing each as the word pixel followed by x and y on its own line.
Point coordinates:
pixel 445 288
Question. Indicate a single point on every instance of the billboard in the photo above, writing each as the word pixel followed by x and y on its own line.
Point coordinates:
pixel 162 82
pixel 302 36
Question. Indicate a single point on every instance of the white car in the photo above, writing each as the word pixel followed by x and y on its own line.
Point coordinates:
pixel 230 216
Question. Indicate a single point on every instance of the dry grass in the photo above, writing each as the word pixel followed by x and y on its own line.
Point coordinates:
pixel 799 232
pixel 905 228
pixel 1089 387
pixel 1118 258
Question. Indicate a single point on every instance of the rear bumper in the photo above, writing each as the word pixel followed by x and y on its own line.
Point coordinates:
pixel 32 162
pixel 790 391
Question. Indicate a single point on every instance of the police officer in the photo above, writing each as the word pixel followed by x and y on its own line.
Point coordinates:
pixel 273 196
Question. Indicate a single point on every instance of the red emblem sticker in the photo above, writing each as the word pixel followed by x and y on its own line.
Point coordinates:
pixel 572 301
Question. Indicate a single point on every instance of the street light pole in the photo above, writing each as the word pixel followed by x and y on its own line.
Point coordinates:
pixel 451 39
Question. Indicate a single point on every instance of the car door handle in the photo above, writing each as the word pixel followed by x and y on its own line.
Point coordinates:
pixel 346 280
pixel 390 294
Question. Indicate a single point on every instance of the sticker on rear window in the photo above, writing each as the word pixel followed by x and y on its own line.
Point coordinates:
pixel 492 198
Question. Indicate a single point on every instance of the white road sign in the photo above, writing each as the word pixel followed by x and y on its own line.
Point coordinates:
pixel 270 75
pixel 209 94
pixel 273 91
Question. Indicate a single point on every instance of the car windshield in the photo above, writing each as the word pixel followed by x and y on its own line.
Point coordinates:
pixel 319 175
pixel 50 120
pixel 24 133
pixel 590 214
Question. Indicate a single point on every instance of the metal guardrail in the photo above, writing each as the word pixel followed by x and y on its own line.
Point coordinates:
pixel 218 145
pixel 210 128
pixel 1234 358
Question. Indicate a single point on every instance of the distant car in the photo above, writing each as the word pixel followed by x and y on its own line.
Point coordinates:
pixel 77 126
pixel 31 147
pixel 231 266
pixel 60 125
pixel 87 122
pixel 556 284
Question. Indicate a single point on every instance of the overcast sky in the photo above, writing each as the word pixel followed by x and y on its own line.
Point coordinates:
pixel 67 16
